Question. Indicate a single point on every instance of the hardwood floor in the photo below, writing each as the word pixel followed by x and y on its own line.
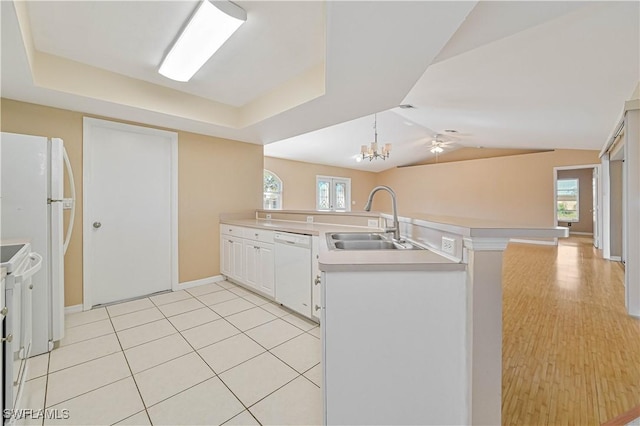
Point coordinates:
pixel 571 354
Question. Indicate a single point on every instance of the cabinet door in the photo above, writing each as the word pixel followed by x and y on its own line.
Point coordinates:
pixel 266 266
pixel 237 265
pixel 226 255
pixel 251 259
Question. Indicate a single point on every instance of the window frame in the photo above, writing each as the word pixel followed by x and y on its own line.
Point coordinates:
pixel 279 195
pixel 558 200
pixel 332 192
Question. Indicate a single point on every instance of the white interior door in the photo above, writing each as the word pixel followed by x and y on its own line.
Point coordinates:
pixel 130 211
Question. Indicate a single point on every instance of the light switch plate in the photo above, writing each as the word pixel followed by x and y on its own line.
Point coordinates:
pixel 309 219
pixel 67 203
pixel 372 223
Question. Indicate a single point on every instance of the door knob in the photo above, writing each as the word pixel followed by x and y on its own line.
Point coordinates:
pixel 97 225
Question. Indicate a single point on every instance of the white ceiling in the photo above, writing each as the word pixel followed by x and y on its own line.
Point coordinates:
pixel 504 74
pixel 132 39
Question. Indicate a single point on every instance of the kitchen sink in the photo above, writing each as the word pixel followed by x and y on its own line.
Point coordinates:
pixel 366 241
pixel 365 245
pixel 356 236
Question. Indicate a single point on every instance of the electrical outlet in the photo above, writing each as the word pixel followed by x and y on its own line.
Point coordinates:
pixel 372 223
pixel 67 203
pixel 268 216
pixel 309 219
pixel 449 245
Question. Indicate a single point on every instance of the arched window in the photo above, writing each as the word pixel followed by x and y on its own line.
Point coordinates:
pixel 272 199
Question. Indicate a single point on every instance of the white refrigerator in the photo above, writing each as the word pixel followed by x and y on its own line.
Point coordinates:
pixel 31 198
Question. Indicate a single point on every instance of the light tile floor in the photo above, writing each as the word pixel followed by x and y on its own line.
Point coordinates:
pixel 210 355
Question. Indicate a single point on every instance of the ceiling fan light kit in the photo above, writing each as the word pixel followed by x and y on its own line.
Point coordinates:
pixel 371 152
pixel 208 29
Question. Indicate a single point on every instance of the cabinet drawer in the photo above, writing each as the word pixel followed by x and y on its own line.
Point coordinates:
pixel 263 235
pixel 236 231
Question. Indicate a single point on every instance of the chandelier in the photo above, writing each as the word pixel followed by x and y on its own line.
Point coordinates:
pixel 371 152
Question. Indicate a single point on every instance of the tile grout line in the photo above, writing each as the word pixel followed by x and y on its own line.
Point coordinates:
pixel 132 375
pixel 215 375
pixel 267 350
pixel 109 316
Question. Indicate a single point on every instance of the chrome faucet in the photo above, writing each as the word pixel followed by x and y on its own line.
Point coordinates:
pixel 396 224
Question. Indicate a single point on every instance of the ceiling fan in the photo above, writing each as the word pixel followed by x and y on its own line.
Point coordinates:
pixel 438 144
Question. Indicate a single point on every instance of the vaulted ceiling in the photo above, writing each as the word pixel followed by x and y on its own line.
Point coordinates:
pixel 304 78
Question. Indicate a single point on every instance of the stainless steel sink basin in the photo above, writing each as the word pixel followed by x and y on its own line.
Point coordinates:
pixel 356 236
pixel 365 245
pixel 366 241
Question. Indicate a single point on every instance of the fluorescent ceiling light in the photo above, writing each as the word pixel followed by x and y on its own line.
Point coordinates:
pixel 209 28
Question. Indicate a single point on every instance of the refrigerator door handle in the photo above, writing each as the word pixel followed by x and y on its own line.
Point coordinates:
pixel 72 185
pixel 34 268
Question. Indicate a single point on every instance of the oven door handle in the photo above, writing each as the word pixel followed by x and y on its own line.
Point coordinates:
pixel 34 268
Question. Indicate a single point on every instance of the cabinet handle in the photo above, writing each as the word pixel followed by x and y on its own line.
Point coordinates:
pixel 231 241
pixel 256 235
pixel 317 308
pixel 4 311
pixel 317 280
pixel 7 339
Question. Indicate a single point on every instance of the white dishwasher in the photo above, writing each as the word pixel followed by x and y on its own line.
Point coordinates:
pixel 293 271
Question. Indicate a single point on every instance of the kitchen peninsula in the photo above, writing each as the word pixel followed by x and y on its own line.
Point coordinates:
pixel 409 336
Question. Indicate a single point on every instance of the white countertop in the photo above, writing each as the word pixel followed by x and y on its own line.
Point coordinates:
pixel 470 227
pixel 399 260
pixel 355 260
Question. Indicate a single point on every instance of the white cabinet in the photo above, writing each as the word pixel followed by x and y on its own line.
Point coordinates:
pixel 246 256
pixel 265 266
pixel 231 257
pixel 395 347
pixel 258 272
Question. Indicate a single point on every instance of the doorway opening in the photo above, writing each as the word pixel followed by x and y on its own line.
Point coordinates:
pixel 577 195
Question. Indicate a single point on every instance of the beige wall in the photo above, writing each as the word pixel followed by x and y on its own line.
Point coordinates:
pixel 214 176
pixel 585 197
pixel 516 189
pixel 299 182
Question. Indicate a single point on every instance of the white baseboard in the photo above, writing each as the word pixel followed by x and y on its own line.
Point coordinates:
pixel 580 233
pixel 73 309
pixel 615 258
pixel 553 242
pixel 202 281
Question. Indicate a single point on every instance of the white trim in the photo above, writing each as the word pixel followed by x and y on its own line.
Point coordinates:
pixel 73 309
pixel 615 258
pixel 580 233
pixel 87 124
pixel 486 244
pixel 202 281
pixel 554 242
pixel 605 185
